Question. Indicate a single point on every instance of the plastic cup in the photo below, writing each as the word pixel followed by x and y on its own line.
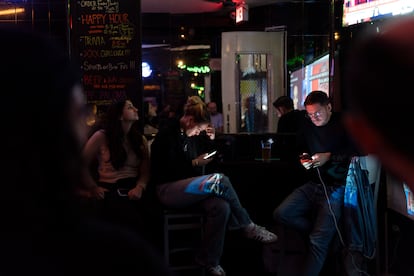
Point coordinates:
pixel 266 151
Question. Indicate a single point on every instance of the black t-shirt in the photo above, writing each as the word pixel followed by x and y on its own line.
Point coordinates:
pixel 332 138
pixel 172 153
pixel 291 122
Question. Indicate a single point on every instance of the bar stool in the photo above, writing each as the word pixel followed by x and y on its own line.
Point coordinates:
pixel 183 232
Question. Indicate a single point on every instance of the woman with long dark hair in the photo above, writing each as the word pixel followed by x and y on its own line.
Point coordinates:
pixel 121 152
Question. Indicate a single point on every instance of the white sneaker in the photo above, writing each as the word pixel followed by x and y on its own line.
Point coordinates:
pixel 259 233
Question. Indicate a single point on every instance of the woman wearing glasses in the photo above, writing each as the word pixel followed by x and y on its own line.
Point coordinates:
pixel 325 151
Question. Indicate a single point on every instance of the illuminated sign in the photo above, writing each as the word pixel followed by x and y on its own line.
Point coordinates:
pixel 146 69
pixel 242 13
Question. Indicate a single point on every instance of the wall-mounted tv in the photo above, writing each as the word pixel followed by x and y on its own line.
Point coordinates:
pixel 360 11
pixel 400 198
pixel 314 76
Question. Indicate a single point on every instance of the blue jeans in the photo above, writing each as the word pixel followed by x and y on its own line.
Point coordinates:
pixel 307 210
pixel 222 212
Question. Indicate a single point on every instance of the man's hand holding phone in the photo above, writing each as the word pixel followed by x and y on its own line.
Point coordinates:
pixel 306 161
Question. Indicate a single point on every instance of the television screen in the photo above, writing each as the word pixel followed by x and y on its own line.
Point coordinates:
pixel 400 198
pixel 360 11
pixel 314 76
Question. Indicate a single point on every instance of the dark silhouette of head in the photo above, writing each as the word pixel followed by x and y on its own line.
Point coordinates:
pixel 41 154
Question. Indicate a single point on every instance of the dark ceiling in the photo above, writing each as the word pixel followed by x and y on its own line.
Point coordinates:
pixel 196 6
pixel 308 25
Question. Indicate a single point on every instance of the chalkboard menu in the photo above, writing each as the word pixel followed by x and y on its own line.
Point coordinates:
pixel 105 37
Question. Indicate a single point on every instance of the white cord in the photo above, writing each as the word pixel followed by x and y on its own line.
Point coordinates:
pixel 330 207
pixel 336 224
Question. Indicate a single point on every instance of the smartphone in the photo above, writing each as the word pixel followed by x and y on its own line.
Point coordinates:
pixel 305 157
pixel 210 154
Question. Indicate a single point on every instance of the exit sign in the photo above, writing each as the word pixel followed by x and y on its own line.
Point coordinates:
pixel 242 13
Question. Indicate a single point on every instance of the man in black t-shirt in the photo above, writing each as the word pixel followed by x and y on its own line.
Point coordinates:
pixel 315 207
pixel 290 119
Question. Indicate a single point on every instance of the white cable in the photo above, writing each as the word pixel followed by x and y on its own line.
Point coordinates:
pixel 330 207
pixel 336 224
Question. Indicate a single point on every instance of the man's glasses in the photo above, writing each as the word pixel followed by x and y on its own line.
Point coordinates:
pixel 314 115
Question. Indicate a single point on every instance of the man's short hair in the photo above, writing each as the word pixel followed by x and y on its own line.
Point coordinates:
pixel 317 97
pixel 283 101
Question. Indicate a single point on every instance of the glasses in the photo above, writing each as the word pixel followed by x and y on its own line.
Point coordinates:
pixel 314 115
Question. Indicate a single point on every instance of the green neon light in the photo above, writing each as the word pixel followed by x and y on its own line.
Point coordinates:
pixel 195 87
pixel 195 69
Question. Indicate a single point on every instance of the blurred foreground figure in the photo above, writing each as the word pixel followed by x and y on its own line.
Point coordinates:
pixel 380 98
pixel 44 229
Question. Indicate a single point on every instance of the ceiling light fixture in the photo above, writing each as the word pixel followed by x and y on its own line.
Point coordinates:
pixel 11 11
